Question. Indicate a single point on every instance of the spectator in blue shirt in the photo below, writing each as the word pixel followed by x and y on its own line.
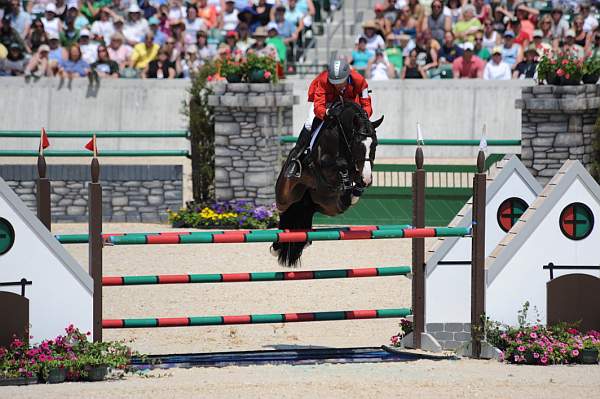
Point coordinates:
pixel 74 66
pixel 449 51
pixel 361 56
pixel 20 20
pixel 286 29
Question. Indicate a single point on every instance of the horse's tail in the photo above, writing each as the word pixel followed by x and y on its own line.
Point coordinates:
pixel 297 217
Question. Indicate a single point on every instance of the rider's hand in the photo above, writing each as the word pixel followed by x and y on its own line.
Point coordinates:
pixel 335 110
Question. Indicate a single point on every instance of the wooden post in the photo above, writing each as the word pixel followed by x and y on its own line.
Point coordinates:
pixel 418 250
pixel 95 245
pixel 43 194
pixel 478 256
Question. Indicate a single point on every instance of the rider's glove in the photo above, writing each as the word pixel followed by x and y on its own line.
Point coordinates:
pixel 335 110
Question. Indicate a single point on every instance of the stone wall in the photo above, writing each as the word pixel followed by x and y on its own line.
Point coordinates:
pixel 557 124
pixel 130 193
pixel 249 118
pixel 450 335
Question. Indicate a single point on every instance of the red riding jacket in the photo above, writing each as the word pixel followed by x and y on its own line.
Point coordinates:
pixel 321 92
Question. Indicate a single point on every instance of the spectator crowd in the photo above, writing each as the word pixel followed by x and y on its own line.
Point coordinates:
pixel 489 39
pixel 160 39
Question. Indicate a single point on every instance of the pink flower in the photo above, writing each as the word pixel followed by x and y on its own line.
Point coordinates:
pixel 575 353
pixel 560 72
pixel 572 331
pixel 267 74
pixel 533 335
pixel 521 348
pixel 568 76
pixel 565 62
pixel 544 360
pixel 536 355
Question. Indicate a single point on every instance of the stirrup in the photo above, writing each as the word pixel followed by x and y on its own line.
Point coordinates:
pixel 297 172
pixel 346 182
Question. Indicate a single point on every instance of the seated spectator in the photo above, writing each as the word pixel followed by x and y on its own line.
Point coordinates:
pixel 119 52
pixel 526 69
pixel 208 13
pixel 74 12
pixel 104 67
pixel 580 34
pixel 38 65
pixel 522 38
pixel 89 50
pixel 193 24
pixel 453 9
pixel 294 13
pixel 191 64
pixel 15 62
pixel 36 8
pixel 465 29
pixel 541 46
pixel 449 51
pixel 56 54
pixel 144 52
pixel 527 16
pixel 20 20
pixel 438 23
pixel 231 42
pixel 469 66
pixel 9 35
pixel 416 11
pixel 497 69
pixel 384 24
pixel 70 35
pixel 262 12
pixel 589 21
pixel 394 53
pixel 177 11
pixel 159 36
pixel 595 45
pixel 73 66
pixel 205 52
pixel 390 9
pixel 228 19
pixel 247 16
pixel 260 46
pixel 136 27
pixel 481 51
pixel 374 39
pixel 498 20
pixel 159 68
pixel 379 68
pixel 483 11
pixel 287 30
pixel 244 41
pixel 174 49
pixel 277 42
pixel 427 50
pixel 512 53
pixel 36 35
pixel 559 25
pixel 411 70
pixel 52 24
pixel 148 9
pixel 361 56
pixel 570 45
pixel 102 29
pixel 404 24
pixel 545 28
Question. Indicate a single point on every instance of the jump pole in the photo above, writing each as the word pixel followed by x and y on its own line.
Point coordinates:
pixel 43 193
pixel 418 250
pixel 95 245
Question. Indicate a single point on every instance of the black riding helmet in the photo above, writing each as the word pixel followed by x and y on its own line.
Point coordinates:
pixel 339 70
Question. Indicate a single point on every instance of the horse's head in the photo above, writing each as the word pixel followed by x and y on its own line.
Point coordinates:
pixel 363 142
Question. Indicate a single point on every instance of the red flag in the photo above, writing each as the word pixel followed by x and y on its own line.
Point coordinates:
pixel 92 146
pixel 44 142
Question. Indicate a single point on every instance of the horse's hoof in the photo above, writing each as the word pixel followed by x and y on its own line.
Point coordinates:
pixel 354 200
pixel 273 251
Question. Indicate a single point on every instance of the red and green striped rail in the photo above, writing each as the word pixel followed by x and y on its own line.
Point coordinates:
pixel 83 238
pixel 292 236
pixel 255 319
pixel 108 281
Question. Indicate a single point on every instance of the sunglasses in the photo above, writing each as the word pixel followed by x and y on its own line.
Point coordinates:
pixel 478 40
pixel 170 42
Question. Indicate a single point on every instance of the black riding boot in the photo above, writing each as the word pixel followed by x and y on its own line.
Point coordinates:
pixel 301 153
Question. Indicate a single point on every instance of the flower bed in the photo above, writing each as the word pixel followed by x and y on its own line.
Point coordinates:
pixel 226 215
pixel 70 357
pixel 565 68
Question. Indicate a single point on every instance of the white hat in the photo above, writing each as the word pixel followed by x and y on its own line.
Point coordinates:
pixel 72 4
pixel 84 32
pixel 52 35
pixel 272 25
pixel 50 7
pixel 570 33
pixel 468 46
pixel 134 8
pixel 192 49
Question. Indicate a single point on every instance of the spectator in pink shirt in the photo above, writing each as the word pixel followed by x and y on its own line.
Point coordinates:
pixel 469 66
pixel 118 51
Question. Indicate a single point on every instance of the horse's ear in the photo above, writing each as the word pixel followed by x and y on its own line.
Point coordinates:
pixel 377 122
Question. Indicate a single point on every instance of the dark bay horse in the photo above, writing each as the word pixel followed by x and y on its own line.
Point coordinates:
pixel 341 161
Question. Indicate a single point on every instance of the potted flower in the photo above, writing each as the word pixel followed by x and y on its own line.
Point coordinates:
pixel 561 69
pixel 591 70
pixel 260 69
pixel 232 70
pixel 589 353
pixel 54 371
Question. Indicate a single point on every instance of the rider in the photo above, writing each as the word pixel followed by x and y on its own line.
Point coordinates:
pixel 338 81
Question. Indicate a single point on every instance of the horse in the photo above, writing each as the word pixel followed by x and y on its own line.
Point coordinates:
pixel 341 161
